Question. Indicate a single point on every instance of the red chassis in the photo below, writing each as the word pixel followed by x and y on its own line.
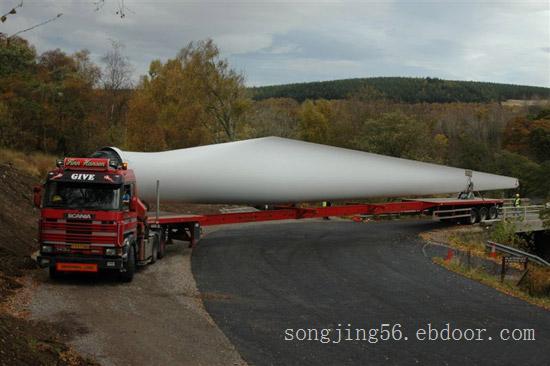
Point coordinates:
pixel 187 227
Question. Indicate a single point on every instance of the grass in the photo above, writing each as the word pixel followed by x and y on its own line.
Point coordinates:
pixel 464 240
pixel 36 164
pixel 507 287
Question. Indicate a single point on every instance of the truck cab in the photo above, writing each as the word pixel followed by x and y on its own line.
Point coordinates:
pixel 92 220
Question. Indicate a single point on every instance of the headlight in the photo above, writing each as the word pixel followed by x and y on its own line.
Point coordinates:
pixel 110 251
pixel 46 249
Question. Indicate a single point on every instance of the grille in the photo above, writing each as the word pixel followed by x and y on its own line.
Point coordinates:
pixel 79 231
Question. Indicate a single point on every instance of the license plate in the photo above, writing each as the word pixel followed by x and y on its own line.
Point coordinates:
pixel 80 246
pixel 76 267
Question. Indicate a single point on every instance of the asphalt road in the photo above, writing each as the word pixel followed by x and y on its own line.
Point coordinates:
pixel 261 279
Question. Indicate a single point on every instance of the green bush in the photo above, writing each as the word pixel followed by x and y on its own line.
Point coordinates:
pixel 504 232
pixel 537 281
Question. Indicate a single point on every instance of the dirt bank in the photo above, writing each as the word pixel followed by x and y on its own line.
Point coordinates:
pixel 24 341
pixel 17 221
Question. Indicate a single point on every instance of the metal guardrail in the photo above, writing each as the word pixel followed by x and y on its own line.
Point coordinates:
pixel 516 252
pixel 509 202
pixel 524 213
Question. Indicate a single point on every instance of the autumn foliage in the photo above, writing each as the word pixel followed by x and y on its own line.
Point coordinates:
pixel 65 104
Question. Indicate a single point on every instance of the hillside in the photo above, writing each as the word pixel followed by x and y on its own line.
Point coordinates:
pixel 24 341
pixel 402 89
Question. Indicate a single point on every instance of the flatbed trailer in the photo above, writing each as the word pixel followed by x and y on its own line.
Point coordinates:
pixel 93 219
pixel 188 227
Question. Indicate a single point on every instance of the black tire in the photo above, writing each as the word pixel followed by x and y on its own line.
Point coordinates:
pixel 493 212
pixel 129 266
pixel 155 250
pixel 162 248
pixel 483 213
pixel 54 273
pixel 473 218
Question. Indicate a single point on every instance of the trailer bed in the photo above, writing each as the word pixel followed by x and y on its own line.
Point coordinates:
pixel 292 212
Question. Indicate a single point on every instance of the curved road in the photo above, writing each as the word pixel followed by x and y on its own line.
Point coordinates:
pixel 259 280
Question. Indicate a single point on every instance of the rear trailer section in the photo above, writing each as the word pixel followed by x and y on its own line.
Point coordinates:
pixel 188 227
pixel 465 211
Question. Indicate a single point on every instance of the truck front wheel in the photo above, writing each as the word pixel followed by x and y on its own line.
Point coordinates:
pixel 162 248
pixel 54 273
pixel 155 252
pixel 129 266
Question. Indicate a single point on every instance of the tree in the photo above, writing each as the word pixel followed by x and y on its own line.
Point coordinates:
pixel 516 165
pixel 117 73
pixel 18 112
pixel 117 80
pixel 274 117
pixel 539 142
pixel 367 93
pixel 225 97
pixel 194 99
pixel 396 134
pixel 314 121
pixel 86 69
pixel 66 98
pixel 16 57
pixel 529 136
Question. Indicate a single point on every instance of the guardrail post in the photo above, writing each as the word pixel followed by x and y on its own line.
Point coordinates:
pixel 503 269
pixel 515 252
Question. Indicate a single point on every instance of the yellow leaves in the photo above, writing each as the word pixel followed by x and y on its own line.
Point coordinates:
pixel 154 68
pixel 194 99
pixel 440 145
pixel 314 121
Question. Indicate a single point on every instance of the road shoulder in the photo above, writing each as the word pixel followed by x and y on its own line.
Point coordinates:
pixel 159 318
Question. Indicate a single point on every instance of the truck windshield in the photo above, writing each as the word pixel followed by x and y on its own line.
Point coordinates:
pixel 82 196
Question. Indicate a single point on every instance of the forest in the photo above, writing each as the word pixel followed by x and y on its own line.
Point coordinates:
pixel 403 89
pixel 65 104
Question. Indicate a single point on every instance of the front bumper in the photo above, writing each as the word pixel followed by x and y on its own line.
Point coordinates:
pixel 103 263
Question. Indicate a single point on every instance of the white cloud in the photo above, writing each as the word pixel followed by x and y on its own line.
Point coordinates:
pixel 243 43
pixel 287 41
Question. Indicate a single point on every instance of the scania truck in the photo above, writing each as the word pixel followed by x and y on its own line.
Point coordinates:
pixel 92 218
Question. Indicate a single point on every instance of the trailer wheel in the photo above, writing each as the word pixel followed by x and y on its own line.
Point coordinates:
pixel 493 212
pixel 473 218
pixel 483 213
pixel 156 245
pixel 129 266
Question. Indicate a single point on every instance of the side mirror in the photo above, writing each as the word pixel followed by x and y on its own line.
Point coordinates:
pixel 37 196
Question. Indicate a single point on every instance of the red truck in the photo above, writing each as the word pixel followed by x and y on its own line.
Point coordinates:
pixel 92 218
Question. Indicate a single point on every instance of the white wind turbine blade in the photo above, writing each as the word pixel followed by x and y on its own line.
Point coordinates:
pixel 275 170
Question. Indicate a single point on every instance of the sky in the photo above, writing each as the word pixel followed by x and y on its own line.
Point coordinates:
pixel 278 42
